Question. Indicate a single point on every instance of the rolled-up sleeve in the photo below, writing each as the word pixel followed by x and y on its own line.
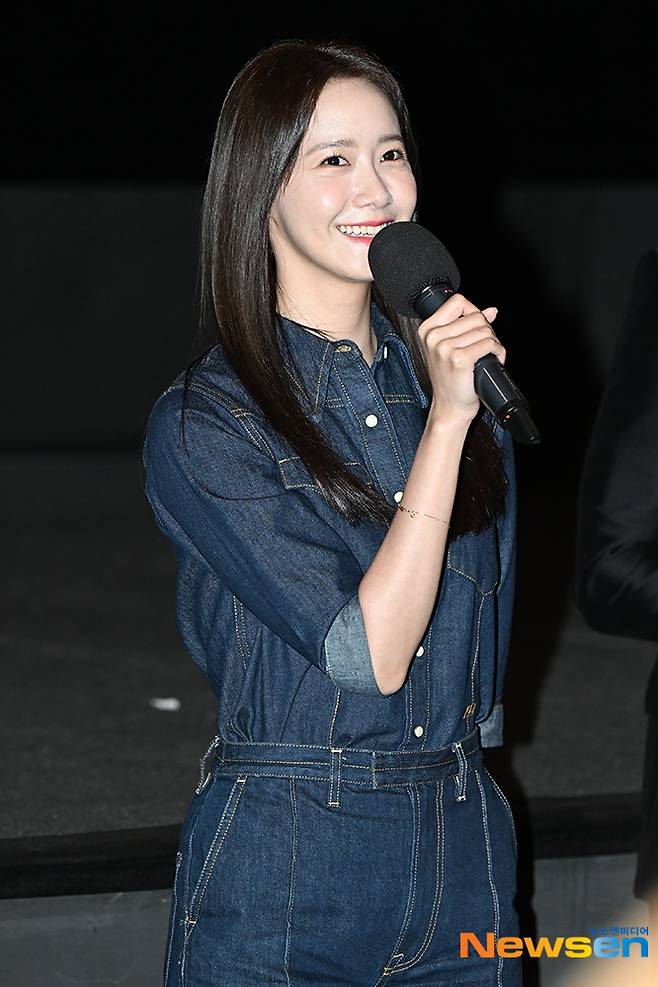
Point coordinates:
pixel 217 493
pixel 347 655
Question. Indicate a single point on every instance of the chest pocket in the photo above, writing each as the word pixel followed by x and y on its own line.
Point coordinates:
pixel 475 557
pixel 295 473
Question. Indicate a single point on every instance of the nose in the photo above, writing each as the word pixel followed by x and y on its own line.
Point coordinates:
pixel 371 188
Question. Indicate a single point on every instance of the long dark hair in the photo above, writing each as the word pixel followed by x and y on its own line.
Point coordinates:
pixel 262 123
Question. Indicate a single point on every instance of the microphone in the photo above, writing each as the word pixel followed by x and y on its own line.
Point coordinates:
pixel 415 273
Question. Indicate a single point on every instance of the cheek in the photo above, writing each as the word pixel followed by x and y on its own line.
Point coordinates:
pixel 405 188
pixel 329 197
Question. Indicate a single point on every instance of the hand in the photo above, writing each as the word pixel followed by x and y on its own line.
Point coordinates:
pixel 453 339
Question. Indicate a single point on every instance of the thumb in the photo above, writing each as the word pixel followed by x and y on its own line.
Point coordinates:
pixel 490 313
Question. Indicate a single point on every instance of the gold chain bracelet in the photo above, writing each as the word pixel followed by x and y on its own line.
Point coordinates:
pixel 414 513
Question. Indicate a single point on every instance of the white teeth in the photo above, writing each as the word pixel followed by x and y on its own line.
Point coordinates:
pixel 362 230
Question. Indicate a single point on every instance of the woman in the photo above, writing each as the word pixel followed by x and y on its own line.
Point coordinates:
pixel 336 498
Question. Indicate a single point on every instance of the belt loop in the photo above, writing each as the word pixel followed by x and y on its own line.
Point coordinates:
pixel 334 783
pixel 204 778
pixel 462 776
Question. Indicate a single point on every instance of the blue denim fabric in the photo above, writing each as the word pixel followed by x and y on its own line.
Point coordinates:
pixel 304 865
pixel 276 881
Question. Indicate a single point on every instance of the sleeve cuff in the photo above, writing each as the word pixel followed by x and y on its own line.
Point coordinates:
pixel 347 655
pixel 491 729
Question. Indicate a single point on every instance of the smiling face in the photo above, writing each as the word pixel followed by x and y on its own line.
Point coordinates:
pixel 366 182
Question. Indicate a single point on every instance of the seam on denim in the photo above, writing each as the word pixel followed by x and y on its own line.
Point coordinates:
pixel 313 485
pixel 255 760
pixel 297 486
pixel 508 807
pixel 285 743
pixel 236 618
pixel 210 861
pixel 334 779
pixel 440 873
pixel 408 710
pixel 428 685
pixel 174 917
pixel 485 592
pixel 373 465
pixel 292 376
pixel 391 435
pixel 328 348
pixel 476 658
pixel 218 397
pixel 255 434
pixel 186 883
pixel 348 462
pixel 492 883
pixel 186 900
pixel 257 773
pixel 431 764
pixel 417 820
pixel 324 747
pixel 292 888
pixel 332 721
pixel 414 798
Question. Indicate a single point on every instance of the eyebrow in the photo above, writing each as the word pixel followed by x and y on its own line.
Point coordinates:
pixel 347 142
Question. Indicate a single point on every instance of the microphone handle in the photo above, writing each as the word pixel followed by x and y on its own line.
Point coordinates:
pixel 493 385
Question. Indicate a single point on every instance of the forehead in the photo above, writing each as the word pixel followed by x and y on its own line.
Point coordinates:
pixel 350 108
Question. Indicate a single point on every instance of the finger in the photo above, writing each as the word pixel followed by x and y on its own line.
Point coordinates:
pixel 454 307
pixel 476 350
pixel 474 336
pixel 475 320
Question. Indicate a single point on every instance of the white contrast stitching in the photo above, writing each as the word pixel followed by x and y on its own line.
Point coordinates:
pixel 291 892
pixel 492 883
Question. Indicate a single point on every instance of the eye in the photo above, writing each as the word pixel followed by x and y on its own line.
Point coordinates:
pixel 398 150
pixel 333 157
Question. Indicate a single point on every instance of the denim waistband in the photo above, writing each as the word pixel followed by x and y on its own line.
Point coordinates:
pixel 353 765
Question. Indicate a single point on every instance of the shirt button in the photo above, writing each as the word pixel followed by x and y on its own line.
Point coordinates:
pixel 419 731
pixel 371 421
pixel 398 496
pixel 421 651
pixel 343 348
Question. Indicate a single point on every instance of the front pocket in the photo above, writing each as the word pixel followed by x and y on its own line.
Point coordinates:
pixel 173 918
pixel 503 798
pixel 208 844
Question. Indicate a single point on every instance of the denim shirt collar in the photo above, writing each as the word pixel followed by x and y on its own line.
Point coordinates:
pixel 313 356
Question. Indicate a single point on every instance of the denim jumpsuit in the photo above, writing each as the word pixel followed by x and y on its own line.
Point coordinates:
pixel 338 835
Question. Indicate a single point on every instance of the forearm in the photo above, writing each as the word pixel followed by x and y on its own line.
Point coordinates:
pixel 398 592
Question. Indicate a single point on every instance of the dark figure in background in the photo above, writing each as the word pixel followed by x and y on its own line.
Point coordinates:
pixel 616 580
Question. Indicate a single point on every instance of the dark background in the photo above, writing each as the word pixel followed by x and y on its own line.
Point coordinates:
pixel 501 97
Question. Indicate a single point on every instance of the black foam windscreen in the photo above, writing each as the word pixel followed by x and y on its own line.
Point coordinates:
pixel 406 257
